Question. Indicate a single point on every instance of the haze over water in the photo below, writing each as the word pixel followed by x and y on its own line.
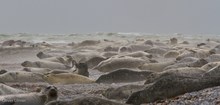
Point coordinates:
pixel 83 16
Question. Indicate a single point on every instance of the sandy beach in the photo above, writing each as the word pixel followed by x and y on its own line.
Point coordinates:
pixel 161 48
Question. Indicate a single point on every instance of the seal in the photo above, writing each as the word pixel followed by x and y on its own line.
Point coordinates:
pixel 67 78
pixel 45 64
pixel 173 41
pixel 82 69
pixel 88 43
pixel 123 75
pixel 198 53
pixel 198 63
pixel 42 55
pixel 216 49
pixel 213 58
pixel 111 49
pixel 78 68
pixel 201 44
pixel 185 71
pixel 36 70
pixel 115 63
pixel 139 54
pixel 171 86
pixel 171 54
pixel 173 83
pixel 5 90
pixel 124 49
pixel 157 67
pixel 46 95
pixel 139 47
pixel 86 100
pixel 149 42
pixel 185 42
pixel 122 92
pixel 185 63
pixel 20 76
pixel 156 51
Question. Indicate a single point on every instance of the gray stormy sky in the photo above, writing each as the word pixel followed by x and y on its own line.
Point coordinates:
pixel 85 16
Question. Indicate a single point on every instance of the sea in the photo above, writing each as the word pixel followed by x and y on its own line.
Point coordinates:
pixel 78 37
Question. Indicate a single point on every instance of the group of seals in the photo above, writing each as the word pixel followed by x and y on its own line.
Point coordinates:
pixel 183 70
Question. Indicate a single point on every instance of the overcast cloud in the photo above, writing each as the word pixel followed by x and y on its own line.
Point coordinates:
pixel 86 16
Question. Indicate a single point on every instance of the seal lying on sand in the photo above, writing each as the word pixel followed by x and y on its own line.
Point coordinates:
pixel 171 54
pixel 88 43
pixel 85 101
pixel 156 67
pixel 42 55
pixel 172 85
pixel 5 90
pixel 66 78
pixel 139 54
pixel 216 49
pixel 149 42
pixel 122 92
pixel 20 76
pixel 46 95
pixel 111 49
pixel 198 53
pixel 213 58
pixel 124 49
pixel 156 51
pixel 173 41
pixel 80 68
pixel 182 63
pixel 123 75
pixel 115 63
pixel 36 70
pixel 136 47
pixel 197 63
pixel 45 64
pixel 185 71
